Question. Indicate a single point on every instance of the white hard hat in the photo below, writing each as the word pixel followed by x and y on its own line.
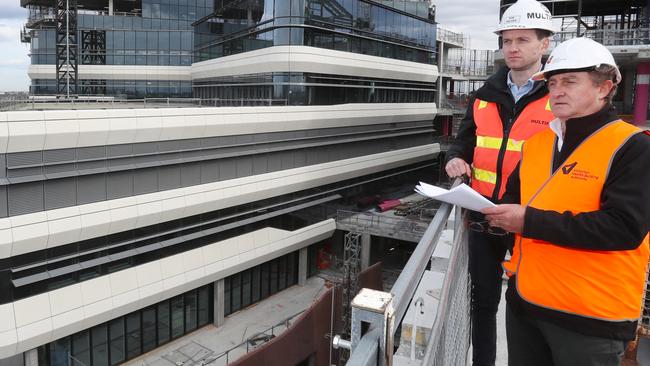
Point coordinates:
pixel 526 14
pixel 576 54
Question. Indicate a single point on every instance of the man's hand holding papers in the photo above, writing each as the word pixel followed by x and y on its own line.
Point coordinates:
pixel 461 195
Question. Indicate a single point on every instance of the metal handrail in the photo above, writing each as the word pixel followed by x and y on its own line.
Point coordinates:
pixel 367 351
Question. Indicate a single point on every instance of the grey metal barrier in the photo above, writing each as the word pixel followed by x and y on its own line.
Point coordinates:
pixel 378 313
pixel 450 335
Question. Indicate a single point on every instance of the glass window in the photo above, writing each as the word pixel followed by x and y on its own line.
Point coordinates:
pixel 265 276
pixel 226 296
pixel 255 287
pixel 116 334
pixel 178 325
pixel 129 40
pixel 100 345
pixel 282 273
pixel 235 292
pixel 148 329
pixel 246 288
pixel 190 311
pixel 292 268
pixel 152 41
pixel 163 322
pixel 274 277
pixel 59 351
pixel 204 305
pixel 133 335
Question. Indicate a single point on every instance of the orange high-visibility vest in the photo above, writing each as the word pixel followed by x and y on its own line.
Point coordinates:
pixel 490 140
pixel 605 285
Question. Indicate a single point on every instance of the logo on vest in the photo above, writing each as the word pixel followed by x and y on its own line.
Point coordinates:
pixel 569 167
pixel 579 174
pixel 539 122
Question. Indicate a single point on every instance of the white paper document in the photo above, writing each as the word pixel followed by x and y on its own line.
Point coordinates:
pixel 461 195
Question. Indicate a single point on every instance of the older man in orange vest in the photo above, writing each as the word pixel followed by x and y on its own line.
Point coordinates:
pixel 581 248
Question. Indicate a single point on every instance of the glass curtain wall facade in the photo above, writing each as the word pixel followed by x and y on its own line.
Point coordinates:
pixel 345 25
pixel 136 333
pixel 258 283
pixel 151 32
pixel 354 26
pixel 133 334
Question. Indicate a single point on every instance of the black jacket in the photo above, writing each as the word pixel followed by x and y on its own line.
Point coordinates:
pixel 621 223
pixel 494 90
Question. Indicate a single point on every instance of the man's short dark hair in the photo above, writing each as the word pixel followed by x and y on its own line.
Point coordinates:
pixel 542 33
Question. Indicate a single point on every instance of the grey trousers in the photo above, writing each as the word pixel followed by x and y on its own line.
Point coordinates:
pixel 532 342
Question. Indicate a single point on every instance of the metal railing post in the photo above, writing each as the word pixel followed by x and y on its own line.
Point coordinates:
pixel 373 310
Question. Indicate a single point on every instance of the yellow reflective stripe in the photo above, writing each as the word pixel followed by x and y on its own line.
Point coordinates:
pixel 484 175
pixel 482 104
pixel 548 105
pixel 495 143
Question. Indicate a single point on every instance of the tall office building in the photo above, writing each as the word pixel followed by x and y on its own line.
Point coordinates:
pixel 122 48
pixel 124 229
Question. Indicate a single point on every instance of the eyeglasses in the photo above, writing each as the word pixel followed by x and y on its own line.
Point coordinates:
pixel 484 227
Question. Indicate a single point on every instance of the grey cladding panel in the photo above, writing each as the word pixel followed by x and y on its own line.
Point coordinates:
pixel 190 174
pixel 91 166
pixel 209 171
pixel 3 165
pixel 145 181
pixel 227 169
pixel 300 157
pixel 210 142
pixel 274 162
pixel 25 198
pixel 119 150
pixel 60 193
pixel 287 160
pixel 91 188
pixel 3 201
pixel 24 158
pixel 190 144
pixel 145 148
pixel 53 170
pixel 119 184
pixel 244 166
pixel 260 164
pixel 169 177
pixel 173 145
pixel 94 152
pixel 59 156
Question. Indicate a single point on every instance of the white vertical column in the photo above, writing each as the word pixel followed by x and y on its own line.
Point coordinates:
pixel 110 7
pixel 219 302
pixel 31 357
pixel 365 251
pixel 302 266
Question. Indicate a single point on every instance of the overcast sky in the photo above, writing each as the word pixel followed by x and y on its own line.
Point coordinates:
pixel 474 18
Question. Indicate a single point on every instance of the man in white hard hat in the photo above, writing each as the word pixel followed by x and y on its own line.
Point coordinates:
pixel 504 112
pixel 581 251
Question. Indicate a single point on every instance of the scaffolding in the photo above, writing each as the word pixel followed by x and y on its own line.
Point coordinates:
pixel 66 48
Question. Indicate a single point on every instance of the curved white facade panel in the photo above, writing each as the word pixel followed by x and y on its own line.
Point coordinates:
pixel 313 60
pixel 117 72
pixel 52 129
pixel 40 230
pixel 36 320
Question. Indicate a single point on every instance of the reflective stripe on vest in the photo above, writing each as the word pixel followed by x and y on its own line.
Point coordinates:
pixel 604 285
pixel 484 175
pixel 495 143
pixel 491 142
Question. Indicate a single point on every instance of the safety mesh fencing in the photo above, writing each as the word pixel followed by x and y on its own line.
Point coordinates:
pixel 450 335
pixel 645 315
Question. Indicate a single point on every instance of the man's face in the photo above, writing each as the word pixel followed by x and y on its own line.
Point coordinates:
pixel 522 49
pixel 573 94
